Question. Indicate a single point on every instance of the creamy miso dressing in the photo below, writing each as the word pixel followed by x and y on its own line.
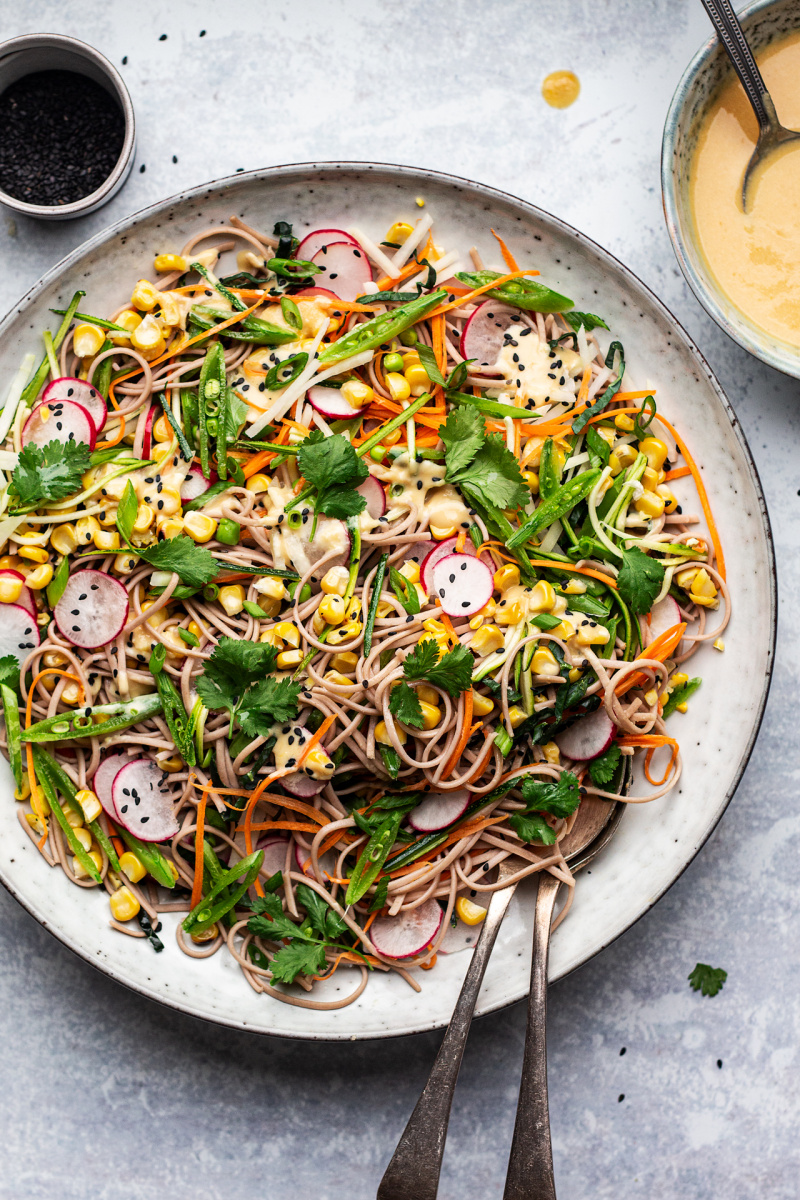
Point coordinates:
pixel 536 374
pixel 755 256
pixel 289 743
pixel 421 485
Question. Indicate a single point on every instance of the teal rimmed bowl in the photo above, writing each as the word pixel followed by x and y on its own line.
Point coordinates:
pixel 763 22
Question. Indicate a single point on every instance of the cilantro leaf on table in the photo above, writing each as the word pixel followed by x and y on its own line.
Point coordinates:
pixel 404 704
pixel 332 467
pixel 706 979
pixel 481 464
pixel 267 703
pixel 558 796
pixel 452 672
pixel 603 768
pixel 639 580
pixel 50 472
pixel 531 827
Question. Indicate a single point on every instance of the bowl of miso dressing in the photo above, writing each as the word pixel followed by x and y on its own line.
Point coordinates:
pixel 744 267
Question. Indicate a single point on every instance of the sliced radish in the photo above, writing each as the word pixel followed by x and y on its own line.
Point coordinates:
pixel 79 392
pixel 463 584
pixel 103 780
pixel 439 810
pixel 314 293
pixel 19 633
pixel 374 495
pixel 313 242
pixel 462 936
pixel 420 551
pixel 588 737
pixel 274 854
pixel 59 421
pixel 482 337
pixel 330 402
pixel 408 934
pixel 345 269
pixel 663 616
pixel 24 598
pixel 147 440
pixel 195 484
pixel 303 786
pixel 303 859
pixel 435 553
pixel 143 802
pixel 92 610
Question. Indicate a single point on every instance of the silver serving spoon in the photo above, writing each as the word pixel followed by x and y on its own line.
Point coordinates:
pixel 771 134
pixel 413 1173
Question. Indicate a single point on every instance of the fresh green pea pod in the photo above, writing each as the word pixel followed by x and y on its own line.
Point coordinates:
pixel 58 812
pixel 377 585
pixel 380 329
pixel 372 858
pixel 186 450
pixel 65 727
pixel 151 858
pixel 172 707
pixel 212 380
pixel 204 915
pixel 560 503
pixel 64 784
pixel 521 293
pixel 236 304
pixel 391 760
pixel 489 408
pixel 549 473
pixel 251 329
pixel 11 716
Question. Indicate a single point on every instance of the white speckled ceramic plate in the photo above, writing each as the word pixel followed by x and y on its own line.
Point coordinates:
pixel 655 842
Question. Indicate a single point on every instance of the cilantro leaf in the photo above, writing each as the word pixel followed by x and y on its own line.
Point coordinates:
pixel 463 434
pixel 269 702
pixel 428 360
pixel 298 958
pixel 598 447
pixel 195 565
pixel 324 919
pixel 241 662
pixel 341 504
pixel 9 671
pixel 589 321
pixel 603 768
pixel 50 472
pixel 330 461
pixel 706 979
pixel 531 827
pixel 493 478
pixel 404 704
pixel 639 580
pixel 452 672
pixel 560 797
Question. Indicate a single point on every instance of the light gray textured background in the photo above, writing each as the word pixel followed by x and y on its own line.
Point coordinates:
pixel 105 1095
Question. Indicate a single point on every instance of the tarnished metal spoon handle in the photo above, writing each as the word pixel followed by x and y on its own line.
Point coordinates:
pixel 413 1173
pixel 530 1165
pixel 727 25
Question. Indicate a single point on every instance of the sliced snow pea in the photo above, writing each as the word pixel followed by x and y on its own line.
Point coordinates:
pixel 489 408
pixel 186 451
pixel 204 915
pixel 380 329
pixel 151 858
pixel 49 790
pixel 212 382
pixel 236 304
pixel 681 695
pixel 549 474
pixel 521 293
pixel 172 707
pixel 250 329
pixel 373 603
pixel 561 502
pixel 93 722
pixel 64 784
pixel 372 858
pixel 11 716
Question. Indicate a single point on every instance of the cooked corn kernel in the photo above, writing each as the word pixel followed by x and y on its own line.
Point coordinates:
pixel 170 526
pixel 107 539
pixel 145 516
pixel 78 870
pixel 345 660
pixel 685 577
pixel 289 658
pixel 399 232
pixel 592 635
pixel 36 554
pixel 87 340
pixel 655 451
pixel 332 609
pixel 398 386
pixel 551 753
pixel 649 480
pixel 63 539
pixel 272 588
pixel 575 587
pixel 516 716
pixel 565 630
pixel 334 581
pixel 356 393
pixel 289 634
pixel 124 904
pixel 544 662
pixel 258 483
pixel 199 527
pixel 625 455
pixel 131 865
pixel 575 674
pixel 232 598
pixel 148 338
pixel 124 563
pixel 532 481
pixel 410 571
pixel 10 589
pixel 542 598
pixel 85 529
pixel 144 296
pixel 165 264
pixel 162 430
pixel 719 645
pixel 668 496
pixel 82 836
pixel 431 625
pixel 509 614
pixel 703 590
pixel 417 378
pixel 270 638
pixel 481 705
pixel 40 577
pixel 487 640
pixel 74 820
pixel 650 504
pixel 470 914
pixel 624 422
pixel 506 577
pixel 382 734
pixel 89 803
pixel 338 679
pixel 442 532
pixel 431 715
pixel 129 320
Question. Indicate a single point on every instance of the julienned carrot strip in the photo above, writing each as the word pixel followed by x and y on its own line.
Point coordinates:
pixel 483 761
pixel 508 257
pixel 559 566
pixel 583 390
pixel 692 465
pixel 448 624
pixel 462 537
pixel 653 740
pixel 437 332
pixel 648 758
pixel 264 826
pixel 677 473
pixel 197 886
pixel 387 283
pixel 659 649
pixel 487 287
pixel 274 798
pixel 463 737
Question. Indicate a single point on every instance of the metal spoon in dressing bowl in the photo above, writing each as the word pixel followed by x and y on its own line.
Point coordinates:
pixel 771 134
pixel 413 1173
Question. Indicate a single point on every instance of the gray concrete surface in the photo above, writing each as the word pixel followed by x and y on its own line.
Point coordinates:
pixel 655 1091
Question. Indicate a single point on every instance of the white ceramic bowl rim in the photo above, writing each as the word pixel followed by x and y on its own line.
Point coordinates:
pixel 773 351
pixel 420 177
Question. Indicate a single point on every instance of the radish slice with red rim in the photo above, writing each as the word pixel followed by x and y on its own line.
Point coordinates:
pixel 103 780
pixel 409 933
pixel 439 810
pixel 435 553
pixel 79 392
pixel 195 484
pixel 419 552
pixel 374 495
pixel 144 802
pixel 329 402
pixel 587 737
pixel 484 332
pixel 274 854
pixel 303 786
pixel 303 859
pixel 19 633
pixel 313 242
pixel 24 598
pixel 59 421
pixel 663 616
pixel 92 610
pixel 463 584
pixel 345 269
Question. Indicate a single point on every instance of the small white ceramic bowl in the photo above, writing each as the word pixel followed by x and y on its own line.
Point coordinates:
pixel 763 22
pixel 56 52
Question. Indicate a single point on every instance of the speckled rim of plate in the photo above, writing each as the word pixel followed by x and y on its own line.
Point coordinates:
pixel 763 21
pixel 368 1018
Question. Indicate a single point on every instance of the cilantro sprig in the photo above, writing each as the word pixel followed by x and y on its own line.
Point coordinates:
pixel 195 565
pixel 306 943
pixel 332 468
pixel 640 579
pixel 237 677
pixel 480 464
pixel 50 472
pixel 559 797
pixel 452 672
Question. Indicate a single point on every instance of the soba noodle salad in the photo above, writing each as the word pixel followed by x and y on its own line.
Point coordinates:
pixel 330 582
